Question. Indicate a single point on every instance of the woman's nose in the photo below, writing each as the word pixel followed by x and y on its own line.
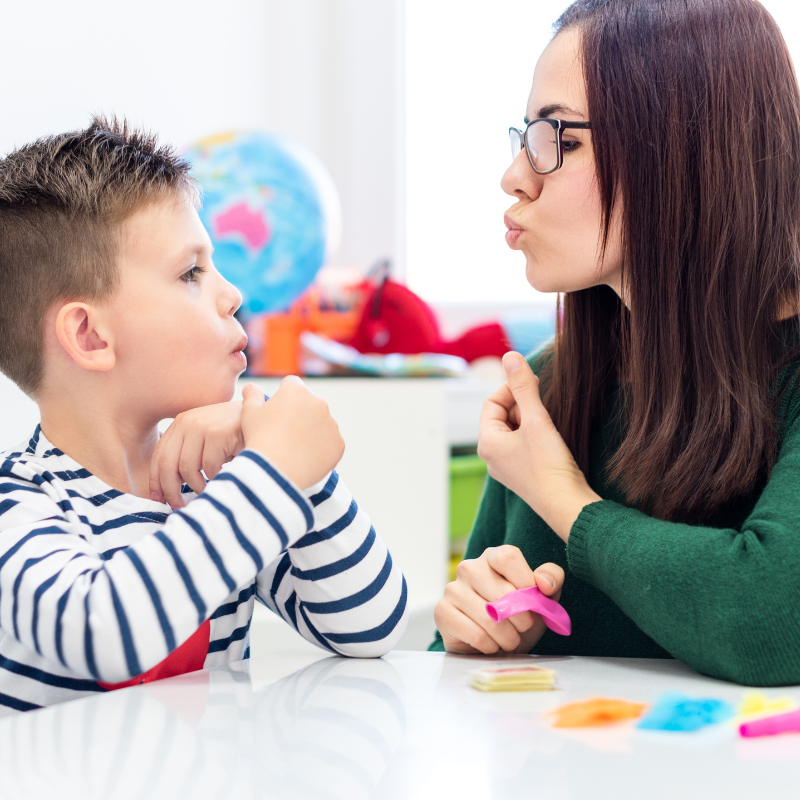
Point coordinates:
pixel 519 180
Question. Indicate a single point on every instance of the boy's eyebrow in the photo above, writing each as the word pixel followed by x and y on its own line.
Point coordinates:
pixel 555 108
pixel 192 250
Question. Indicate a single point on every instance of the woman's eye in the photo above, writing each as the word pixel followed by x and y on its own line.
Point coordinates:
pixel 570 146
pixel 191 275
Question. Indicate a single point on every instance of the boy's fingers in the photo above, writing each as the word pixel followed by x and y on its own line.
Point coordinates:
pixel 155 482
pixel 252 396
pixel 211 466
pixel 168 475
pixel 190 461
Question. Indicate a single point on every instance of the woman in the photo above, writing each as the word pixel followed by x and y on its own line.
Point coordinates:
pixel 655 487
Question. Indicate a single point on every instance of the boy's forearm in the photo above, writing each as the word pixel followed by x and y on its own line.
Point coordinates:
pixel 340 587
pixel 113 619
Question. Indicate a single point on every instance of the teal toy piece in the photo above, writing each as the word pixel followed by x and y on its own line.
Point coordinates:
pixel 679 712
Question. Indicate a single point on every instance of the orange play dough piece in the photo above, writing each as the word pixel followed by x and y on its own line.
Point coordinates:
pixel 595 711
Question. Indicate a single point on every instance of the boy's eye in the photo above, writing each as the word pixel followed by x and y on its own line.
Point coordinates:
pixel 191 275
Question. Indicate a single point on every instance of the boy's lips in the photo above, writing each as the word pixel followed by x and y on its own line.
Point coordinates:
pixel 238 351
pixel 240 345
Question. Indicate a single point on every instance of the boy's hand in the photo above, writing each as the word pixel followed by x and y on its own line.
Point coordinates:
pixel 461 614
pixel 294 430
pixel 203 438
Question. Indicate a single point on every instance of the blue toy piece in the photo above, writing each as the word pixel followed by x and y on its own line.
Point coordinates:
pixel 679 712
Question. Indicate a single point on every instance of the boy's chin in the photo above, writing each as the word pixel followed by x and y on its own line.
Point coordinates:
pixel 207 396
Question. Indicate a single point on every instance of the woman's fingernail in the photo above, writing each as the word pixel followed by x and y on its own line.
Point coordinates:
pixel 547 578
pixel 511 362
pixel 156 497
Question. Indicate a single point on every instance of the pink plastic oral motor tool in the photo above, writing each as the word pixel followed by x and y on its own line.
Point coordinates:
pixel 531 599
pixel 780 723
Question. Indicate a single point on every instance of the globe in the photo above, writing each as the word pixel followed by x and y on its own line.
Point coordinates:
pixel 272 212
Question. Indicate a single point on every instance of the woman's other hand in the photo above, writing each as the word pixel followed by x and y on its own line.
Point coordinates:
pixel 525 452
pixel 461 614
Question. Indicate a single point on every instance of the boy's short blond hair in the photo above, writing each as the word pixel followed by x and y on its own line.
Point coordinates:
pixel 62 201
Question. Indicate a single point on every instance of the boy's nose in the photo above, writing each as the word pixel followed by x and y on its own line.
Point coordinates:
pixel 230 300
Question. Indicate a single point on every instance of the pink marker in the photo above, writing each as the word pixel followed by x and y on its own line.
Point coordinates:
pixel 769 726
pixel 531 599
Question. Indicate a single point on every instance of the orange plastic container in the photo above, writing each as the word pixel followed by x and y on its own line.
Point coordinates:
pixel 275 338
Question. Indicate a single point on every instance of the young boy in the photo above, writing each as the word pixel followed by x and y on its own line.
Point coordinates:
pixel 112 317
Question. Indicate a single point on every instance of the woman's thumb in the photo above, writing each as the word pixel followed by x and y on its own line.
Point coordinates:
pixel 524 385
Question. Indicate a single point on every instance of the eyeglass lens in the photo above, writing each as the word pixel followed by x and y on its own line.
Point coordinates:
pixel 516 141
pixel 541 140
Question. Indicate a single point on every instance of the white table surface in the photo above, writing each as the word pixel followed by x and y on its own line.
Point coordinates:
pixel 299 724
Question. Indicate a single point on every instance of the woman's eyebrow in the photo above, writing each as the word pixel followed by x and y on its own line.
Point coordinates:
pixel 555 108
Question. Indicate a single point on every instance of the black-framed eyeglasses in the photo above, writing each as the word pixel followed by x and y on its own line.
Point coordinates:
pixel 542 140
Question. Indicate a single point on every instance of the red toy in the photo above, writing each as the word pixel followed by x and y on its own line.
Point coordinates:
pixel 395 320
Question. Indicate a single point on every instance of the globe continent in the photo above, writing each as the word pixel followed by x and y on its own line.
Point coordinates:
pixel 263 209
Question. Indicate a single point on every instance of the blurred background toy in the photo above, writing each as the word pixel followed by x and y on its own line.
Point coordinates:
pixel 395 320
pixel 376 315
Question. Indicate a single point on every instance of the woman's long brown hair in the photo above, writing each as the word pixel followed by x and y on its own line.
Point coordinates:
pixel 695 115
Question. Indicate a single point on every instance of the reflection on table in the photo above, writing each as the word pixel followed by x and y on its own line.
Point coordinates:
pixel 304 725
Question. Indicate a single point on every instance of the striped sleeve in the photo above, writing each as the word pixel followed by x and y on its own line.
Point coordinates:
pixel 110 619
pixel 338 585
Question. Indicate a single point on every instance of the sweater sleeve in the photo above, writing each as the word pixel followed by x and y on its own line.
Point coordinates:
pixel 723 601
pixel 487 531
pixel 338 585
pixel 114 618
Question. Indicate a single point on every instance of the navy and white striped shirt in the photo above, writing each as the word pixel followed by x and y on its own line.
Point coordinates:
pixel 100 586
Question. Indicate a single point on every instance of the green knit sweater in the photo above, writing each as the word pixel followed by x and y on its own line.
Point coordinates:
pixel 723 598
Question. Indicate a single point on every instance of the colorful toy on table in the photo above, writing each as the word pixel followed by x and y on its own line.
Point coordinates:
pixel 531 599
pixel 675 711
pixel 526 678
pixel 756 705
pixel 770 726
pixel 596 711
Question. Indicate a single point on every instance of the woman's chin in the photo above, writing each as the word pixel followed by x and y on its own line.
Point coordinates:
pixel 537 278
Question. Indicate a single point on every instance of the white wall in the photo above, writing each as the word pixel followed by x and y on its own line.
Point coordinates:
pixel 469 66
pixel 327 73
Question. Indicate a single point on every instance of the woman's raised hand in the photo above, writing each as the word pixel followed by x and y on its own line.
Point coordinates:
pixel 461 614
pixel 525 452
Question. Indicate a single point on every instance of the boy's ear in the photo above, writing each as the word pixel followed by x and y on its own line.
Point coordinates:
pixel 83 335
